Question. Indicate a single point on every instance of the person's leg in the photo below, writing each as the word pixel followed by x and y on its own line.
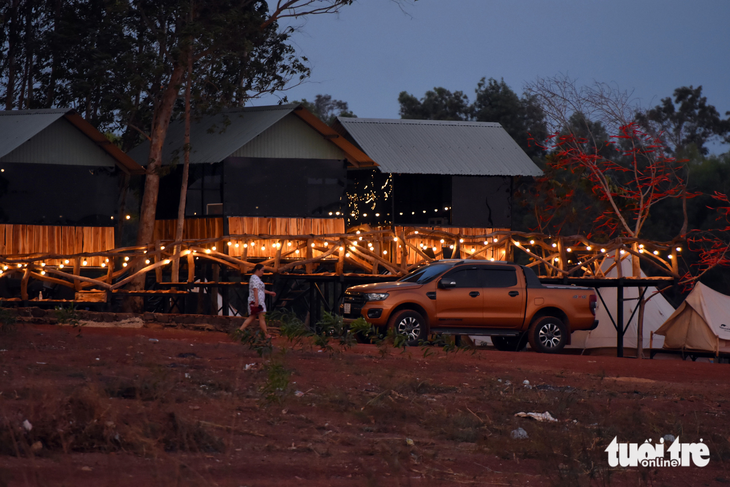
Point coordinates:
pixel 262 325
pixel 247 322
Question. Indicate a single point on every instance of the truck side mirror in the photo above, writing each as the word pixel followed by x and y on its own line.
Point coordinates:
pixel 445 284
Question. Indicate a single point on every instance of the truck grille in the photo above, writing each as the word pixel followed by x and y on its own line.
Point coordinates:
pixel 354 302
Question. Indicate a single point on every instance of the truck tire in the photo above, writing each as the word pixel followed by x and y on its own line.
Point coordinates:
pixel 548 335
pixel 410 323
pixel 510 344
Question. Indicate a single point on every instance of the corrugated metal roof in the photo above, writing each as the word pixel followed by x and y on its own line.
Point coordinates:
pixel 215 137
pixel 440 147
pixel 19 126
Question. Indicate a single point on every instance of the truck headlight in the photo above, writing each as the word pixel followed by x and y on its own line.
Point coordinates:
pixel 375 296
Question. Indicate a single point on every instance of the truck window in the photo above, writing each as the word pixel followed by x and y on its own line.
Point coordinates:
pixel 464 278
pixel 425 274
pixel 499 277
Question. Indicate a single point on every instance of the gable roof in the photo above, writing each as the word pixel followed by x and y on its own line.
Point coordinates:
pixel 219 135
pixel 19 126
pixel 438 147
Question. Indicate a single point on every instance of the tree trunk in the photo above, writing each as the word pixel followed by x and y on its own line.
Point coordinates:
pixel 157 139
pixel 186 170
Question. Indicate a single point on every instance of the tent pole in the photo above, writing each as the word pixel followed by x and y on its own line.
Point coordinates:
pixel 620 318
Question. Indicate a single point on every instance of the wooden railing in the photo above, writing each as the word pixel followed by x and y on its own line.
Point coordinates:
pixel 355 253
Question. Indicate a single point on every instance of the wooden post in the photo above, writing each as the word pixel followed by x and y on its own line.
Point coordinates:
pixel 158 257
pixel 277 257
pixel 214 290
pixel 191 267
pixel 77 270
pixel 110 271
pixel 309 268
pixel 563 256
pixel 636 272
pixel 675 264
pixel 403 251
pixel 339 269
pixel 24 284
pixel 376 249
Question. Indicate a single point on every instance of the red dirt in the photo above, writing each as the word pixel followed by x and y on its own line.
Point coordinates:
pixel 172 407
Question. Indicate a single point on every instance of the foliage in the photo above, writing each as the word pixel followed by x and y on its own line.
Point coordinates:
pixel 256 341
pixel 688 120
pixel 332 326
pixel 277 380
pixel 629 175
pixel 327 109
pixel 495 101
pixel 8 319
pixel 67 315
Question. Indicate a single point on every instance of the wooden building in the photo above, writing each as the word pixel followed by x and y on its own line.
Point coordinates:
pixel 59 184
pixel 273 170
pixel 447 183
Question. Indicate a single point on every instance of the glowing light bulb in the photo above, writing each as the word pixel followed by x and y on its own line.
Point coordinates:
pixel 442 240
pixel 347 254
pixel 679 249
pixel 167 261
pixel 66 261
pixel 656 252
pixel 496 239
pixel 162 248
pixel 569 249
pixel 84 263
pixel 147 261
pixel 670 256
pixel 297 252
pixel 556 259
pixel 126 259
pixel 589 247
pixel 263 247
pixel 124 265
pixel 207 251
pixel 236 245
pixel 603 251
pixel 385 252
pixel 622 251
pixel 60 266
pixel 461 240
pixel 230 243
pixel 214 248
pixel 492 259
pixel 245 245
pixel 326 244
pixel 554 245
pixel 416 232
pixel 43 273
pixel 377 214
pixel 127 217
pixel 532 242
pixel 342 248
pixel 103 264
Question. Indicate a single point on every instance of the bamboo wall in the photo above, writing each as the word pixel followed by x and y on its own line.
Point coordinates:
pixel 194 229
pixel 258 248
pixel 51 239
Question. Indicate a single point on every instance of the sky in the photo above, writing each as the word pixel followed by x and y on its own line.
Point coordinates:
pixel 374 49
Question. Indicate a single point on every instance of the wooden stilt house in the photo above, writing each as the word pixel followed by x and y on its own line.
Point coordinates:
pixel 59 184
pixel 270 171
pixel 442 185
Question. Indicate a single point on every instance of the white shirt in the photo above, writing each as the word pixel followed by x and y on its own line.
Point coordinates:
pixel 255 284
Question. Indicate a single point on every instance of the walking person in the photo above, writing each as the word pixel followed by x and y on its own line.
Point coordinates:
pixel 256 300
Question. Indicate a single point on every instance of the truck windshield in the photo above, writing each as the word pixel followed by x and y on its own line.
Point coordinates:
pixel 425 274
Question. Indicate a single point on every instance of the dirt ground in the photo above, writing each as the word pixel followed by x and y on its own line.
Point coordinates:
pixel 111 406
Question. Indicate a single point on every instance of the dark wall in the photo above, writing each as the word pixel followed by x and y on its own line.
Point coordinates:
pixel 481 201
pixel 205 191
pixel 283 187
pixel 52 194
pixel 422 199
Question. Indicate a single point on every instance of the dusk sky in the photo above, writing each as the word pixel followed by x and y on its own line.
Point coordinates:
pixel 375 49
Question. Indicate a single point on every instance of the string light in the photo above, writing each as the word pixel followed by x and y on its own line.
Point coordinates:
pixel 297 252
pixel 66 261
pixel 124 264
pixel 84 263
pixel 147 261
pixel 589 247
pixel 207 251
pixel 167 261
pixel 245 246
pixel 60 266
pixel 162 248
pixel 236 245
pixel 603 251
pixel 569 249
pixel 622 251
pixel 496 239
pixel 554 245
pixel 230 243
pixel 670 256
pixel 43 273
pixel 263 247
pixel 385 252
pixel 656 252
pixel 679 249
pixel 532 242
pixel 127 217
pixel 103 264
pixel 213 248
pixel 126 259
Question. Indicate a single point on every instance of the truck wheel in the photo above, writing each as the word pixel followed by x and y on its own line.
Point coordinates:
pixel 548 335
pixel 510 344
pixel 410 323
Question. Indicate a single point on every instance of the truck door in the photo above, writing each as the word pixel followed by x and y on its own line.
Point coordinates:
pixel 504 297
pixel 459 298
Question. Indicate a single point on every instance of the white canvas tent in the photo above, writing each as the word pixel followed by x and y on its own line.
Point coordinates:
pixel 702 322
pixel 656 312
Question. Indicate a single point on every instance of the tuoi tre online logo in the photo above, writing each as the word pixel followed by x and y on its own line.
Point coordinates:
pixel 653 455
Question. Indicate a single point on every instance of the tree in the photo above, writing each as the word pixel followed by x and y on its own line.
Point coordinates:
pixel 688 120
pixel 439 104
pixel 327 109
pixel 522 118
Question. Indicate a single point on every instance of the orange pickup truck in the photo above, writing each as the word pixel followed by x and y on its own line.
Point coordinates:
pixel 466 297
